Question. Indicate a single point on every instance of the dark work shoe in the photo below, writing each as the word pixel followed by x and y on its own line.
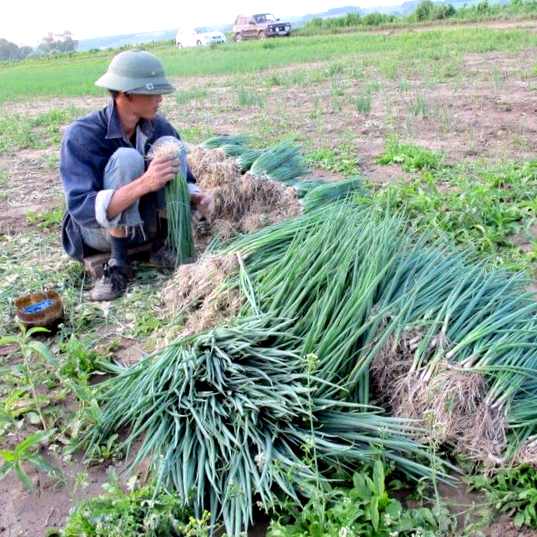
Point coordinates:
pixel 163 258
pixel 112 283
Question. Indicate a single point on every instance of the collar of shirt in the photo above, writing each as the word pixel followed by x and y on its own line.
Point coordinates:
pixel 114 129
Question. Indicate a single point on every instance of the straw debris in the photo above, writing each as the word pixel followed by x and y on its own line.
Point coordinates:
pixel 250 203
pixel 448 401
pixel 527 453
pixel 211 167
pixel 196 291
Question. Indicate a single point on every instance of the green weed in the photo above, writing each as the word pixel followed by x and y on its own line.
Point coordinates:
pixel 404 85
pixel 363 103
pixel 4 181
pixel 335 69
pixel 343 160
pixel 47 219
pixel 485 209
pixel 142 511
pixel 195 134
pixel 25 453
pixel 16 133
pixel 419 106
pixel 36 355
pixel 22 132
pixel 78 360
pixel 337 88
pixel 512 491
pixel 52 161
pixel 274 80
pixel 411 157
pixel 247 98
pixel 367 509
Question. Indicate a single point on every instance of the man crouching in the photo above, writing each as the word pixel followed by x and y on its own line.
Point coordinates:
pixel 113 197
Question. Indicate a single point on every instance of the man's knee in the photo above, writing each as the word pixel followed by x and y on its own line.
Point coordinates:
pixel 125 165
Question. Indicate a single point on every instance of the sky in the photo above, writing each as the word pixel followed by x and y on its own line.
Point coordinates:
pixel 25 22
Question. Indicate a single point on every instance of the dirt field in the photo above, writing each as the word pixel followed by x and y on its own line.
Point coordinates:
pixel 480 107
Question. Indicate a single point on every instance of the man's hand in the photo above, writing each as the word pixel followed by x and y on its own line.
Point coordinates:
pixel 160 172
pixel 202 202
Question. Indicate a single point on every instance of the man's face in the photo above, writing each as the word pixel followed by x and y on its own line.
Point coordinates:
pixel 145 106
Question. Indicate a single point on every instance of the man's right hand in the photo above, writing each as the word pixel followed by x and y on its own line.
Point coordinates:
pixel 161 171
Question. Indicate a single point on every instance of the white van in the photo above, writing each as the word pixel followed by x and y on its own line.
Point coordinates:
pixel 198 37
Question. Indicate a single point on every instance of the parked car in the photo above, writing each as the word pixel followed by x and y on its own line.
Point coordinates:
pixel 259 26
pixel 197 37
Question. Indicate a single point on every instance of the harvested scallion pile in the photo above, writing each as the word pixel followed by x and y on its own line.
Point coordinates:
pixel 407 321
pixel 225 416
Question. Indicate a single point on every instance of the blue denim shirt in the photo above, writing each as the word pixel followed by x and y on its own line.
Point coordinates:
pixel 87 145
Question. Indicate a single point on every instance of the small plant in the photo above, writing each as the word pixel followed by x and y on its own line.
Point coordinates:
pixel 142 511
pixel 411 157
pixel 363 103
pixel 343 160
pixel 512 491
pixel 146 324
pixel 419 107
pixel 79 361
pixel 25 452
pixel 366 510
pixel 274 80
pixel 46 219
pixel 247 98
pixel 338 89
pixel 335 69
pixel 486 209
pixel 30 348
pixel 108 451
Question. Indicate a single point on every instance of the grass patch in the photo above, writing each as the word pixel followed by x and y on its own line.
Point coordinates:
pixel 186 96
pixel 75 75
pixel 490 210
pixel 18 131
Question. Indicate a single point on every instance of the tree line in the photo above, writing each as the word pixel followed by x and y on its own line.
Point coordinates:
pixel 426 10
pixel 50 44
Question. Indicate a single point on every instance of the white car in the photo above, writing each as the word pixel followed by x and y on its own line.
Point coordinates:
pixel 198 37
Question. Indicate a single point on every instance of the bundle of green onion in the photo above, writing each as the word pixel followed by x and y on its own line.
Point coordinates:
pixel 283 162
pixel 225 139
pixel 247 158
pixel 178 210
pixel 329 192
pixel 234 150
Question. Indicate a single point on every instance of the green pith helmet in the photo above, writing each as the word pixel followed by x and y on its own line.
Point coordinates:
pixel 136 71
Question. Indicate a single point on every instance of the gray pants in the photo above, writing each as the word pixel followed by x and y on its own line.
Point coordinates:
pixel 124 166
